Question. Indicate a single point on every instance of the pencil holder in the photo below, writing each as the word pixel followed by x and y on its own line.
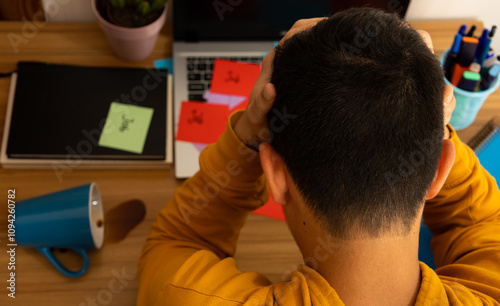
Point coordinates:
pixel 468 102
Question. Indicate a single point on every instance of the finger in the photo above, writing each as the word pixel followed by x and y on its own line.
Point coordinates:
pixel 449 103
pixel 426 37
pixel 266 69
pixel 268 59
pixel 262 104
pixel 307 21
pixel 300 26
pixel 268 95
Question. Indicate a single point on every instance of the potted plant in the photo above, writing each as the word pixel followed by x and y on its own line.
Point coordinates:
pixel 131 26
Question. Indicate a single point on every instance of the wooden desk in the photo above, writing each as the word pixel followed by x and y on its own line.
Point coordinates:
pixel 265 245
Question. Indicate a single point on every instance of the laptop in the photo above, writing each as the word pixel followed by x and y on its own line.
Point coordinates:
pixel 240 30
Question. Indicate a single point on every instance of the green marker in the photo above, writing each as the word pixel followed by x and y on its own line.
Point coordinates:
pixel 469 81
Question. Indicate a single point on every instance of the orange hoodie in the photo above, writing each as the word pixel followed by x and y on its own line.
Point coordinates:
pixel 187 257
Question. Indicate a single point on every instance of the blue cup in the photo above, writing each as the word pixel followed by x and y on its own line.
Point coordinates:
pixel 71 218
pixel 468 102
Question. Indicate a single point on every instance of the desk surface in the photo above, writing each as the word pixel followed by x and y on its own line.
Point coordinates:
pixel 37 282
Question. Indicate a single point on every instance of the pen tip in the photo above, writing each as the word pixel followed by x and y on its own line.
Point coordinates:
pixel 493 30
pixel 471 30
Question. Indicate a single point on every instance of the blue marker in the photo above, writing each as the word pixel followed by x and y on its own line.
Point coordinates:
pixel 462 30
pixel 452 56
pixel 482 42
pixel 486 49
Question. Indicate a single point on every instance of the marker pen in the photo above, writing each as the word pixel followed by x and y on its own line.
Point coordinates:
pixel 471 31
pixel 466 57
pixel 468 50
pixel 482 43
pixel 484 52
pixel 469 81
pixel 458 72
pixel 452 56
pixel 475 67
pixel 490 60
pixel 490 77
pixel 462 29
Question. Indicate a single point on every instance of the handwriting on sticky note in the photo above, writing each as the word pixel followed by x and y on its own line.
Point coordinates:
pixel 201 122
pixel 126 127
pixel 234 78
pixel 195 117
pixel 125 123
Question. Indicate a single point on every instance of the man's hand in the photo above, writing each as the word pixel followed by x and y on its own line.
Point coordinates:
pixel 449 101
pixel 252 128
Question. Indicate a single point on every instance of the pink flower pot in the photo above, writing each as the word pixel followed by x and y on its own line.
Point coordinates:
pixel 131 44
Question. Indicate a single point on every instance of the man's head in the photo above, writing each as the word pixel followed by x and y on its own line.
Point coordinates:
pixel 366 95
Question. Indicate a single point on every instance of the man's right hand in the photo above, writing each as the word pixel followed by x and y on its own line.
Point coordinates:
pixel 252 127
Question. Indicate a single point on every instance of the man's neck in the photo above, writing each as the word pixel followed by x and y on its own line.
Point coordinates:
pixel 381 271
pixel 363 271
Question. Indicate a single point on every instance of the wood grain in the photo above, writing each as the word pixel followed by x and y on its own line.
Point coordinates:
pixel 265 246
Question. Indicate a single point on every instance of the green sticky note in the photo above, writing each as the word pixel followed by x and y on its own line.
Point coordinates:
pixel 126 127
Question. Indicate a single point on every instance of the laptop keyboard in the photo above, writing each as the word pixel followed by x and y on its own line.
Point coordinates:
pixel 199 73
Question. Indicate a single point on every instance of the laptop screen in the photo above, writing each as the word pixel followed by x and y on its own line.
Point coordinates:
pixel 198 20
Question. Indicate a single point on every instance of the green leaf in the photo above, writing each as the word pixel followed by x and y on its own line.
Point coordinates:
pixel 144 8
pixel 158 5
pixel 118 3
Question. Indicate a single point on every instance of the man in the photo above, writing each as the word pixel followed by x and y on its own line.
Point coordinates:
pixel 348 122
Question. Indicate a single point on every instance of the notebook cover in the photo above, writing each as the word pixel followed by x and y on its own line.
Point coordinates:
pixel 486 145
pixel 489 156
pixel 60 109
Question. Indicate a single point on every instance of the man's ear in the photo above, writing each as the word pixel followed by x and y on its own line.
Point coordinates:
pixel 445 164
pixel 276 173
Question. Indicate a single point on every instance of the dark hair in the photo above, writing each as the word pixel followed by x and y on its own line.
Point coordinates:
pixel 366 97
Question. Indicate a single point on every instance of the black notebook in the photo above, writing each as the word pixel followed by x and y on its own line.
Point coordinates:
pixel 105 117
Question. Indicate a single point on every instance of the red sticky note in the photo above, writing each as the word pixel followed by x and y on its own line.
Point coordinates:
pixel 271 209
pixel 201 122
pixel 234 78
